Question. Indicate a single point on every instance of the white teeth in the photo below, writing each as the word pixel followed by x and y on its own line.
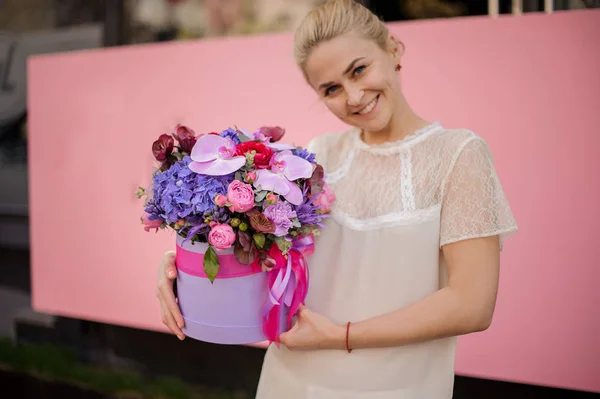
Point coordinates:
pixel 369 107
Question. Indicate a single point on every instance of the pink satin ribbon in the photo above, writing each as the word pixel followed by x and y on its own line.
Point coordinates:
pixel 288 285
pixel 193 263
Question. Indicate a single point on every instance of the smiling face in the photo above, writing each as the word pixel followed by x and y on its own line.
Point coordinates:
pixel 357 80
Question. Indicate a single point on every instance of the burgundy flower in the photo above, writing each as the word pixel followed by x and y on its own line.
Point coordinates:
pixel 260 222
pixel 316 182
pixel 275 132
pixel 186 138
pixel 163 147
pixel 265 261
pixel 244 251
pixel 263 153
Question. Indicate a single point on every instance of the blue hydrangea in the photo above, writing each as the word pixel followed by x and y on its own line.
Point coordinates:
pixel 231 134
pixel 180 193
pixel 305 154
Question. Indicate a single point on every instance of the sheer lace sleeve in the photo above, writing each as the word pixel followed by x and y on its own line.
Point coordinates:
pixel 321 145
pixel 473 202
pixel 314 147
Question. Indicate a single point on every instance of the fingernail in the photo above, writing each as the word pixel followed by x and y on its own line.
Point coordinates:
pixel 180 324
pixel 171 273
pixel 181 337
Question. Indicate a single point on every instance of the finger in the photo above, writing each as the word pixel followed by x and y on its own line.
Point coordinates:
pixel 169 321
pixel 291 332
pixel 167 297
pixel 284 340
pixel 301 309
pixel 170 267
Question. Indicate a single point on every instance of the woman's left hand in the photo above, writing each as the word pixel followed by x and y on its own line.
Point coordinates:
pixel 313 331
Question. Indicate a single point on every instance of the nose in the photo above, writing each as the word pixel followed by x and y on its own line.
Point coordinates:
pixel 355 96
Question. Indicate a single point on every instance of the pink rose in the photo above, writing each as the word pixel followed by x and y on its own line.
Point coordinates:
pixel 325 199
pixel 220 200
pixel 272 198
pixel 241 196
pixel 150 224
pixel 221 236
pixel 250 177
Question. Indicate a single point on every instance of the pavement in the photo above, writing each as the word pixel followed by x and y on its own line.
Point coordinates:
pixel 15 294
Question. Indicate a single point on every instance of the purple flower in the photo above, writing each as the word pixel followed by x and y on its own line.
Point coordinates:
pixel 231 134
pixel 304 154
pixel 281 214
pixel 308 215
pixel 307 212
pixel 179 193
pixel 153 210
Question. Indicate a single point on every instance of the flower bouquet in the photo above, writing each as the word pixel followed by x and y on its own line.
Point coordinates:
pixel 245 209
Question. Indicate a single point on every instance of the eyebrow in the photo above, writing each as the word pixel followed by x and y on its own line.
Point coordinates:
pixel 326 84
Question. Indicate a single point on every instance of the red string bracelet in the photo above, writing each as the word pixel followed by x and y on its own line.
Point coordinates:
pixel 347 335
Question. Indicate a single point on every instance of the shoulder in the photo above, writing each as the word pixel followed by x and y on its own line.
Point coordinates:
pixel 457 138
pixel 459 142
pixel 325 142
pixel 330 146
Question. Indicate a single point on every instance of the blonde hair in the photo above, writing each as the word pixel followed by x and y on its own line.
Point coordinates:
pixel 335 18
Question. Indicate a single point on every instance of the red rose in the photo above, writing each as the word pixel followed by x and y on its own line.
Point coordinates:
pixel 263 153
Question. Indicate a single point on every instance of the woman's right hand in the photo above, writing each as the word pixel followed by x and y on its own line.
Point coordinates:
pixel 171 316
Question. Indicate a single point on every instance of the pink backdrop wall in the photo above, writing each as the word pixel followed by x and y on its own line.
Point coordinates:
pixel 528 85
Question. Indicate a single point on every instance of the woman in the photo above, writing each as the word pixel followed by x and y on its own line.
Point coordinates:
pixel 410 258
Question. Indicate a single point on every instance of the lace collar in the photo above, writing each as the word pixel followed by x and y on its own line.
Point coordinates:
pixel 416 136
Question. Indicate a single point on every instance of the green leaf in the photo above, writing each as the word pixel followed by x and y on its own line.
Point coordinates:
pixel 141 191
pixel 259 240
pixel 260 196
pixel 238 176
pixel 211 263
pixel 283 244
pixel 243 138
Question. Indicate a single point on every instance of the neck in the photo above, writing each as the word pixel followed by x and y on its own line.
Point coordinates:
pixel 404 122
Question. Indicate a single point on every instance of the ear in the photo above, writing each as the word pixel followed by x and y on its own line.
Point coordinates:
pixel 396 48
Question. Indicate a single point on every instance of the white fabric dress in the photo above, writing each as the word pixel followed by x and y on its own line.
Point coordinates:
pixel 397 205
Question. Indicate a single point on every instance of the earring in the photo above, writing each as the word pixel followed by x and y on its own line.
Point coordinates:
pixel 398 67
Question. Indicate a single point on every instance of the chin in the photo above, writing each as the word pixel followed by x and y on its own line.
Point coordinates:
pixel 376 126
pixel 372 126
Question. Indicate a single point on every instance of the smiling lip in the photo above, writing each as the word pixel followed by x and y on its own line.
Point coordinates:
pixel 369 108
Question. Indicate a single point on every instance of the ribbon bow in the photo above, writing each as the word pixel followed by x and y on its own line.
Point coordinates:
pixel 288 285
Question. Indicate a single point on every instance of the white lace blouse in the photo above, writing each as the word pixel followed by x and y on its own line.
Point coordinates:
pixel 397 205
